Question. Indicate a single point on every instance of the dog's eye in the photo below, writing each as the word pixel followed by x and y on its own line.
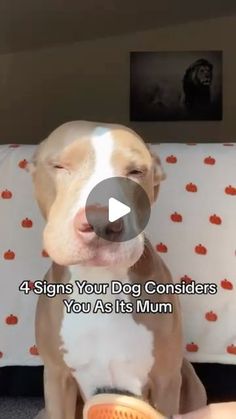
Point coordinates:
pixel 61 168
pixel 58 166
pixel 135 172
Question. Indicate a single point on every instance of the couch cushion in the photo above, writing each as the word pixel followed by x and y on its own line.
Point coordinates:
pixel 193 227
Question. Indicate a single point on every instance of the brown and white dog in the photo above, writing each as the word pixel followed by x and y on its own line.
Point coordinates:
pixel 138 353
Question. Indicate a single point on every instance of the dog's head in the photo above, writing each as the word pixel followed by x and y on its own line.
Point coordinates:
pixel 65 168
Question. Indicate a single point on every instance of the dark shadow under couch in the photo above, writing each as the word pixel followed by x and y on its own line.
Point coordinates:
pixel 218 379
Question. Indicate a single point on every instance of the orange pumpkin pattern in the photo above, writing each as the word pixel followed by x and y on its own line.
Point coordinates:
pixel 21 257
pixel 194 232
pixel 192 228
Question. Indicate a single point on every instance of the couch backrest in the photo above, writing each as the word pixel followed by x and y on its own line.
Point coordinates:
pixel 193 227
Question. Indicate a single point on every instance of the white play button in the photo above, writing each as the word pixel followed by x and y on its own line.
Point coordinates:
pixel 117 209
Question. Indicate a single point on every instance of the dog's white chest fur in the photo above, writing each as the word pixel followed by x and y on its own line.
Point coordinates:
pixel 105 350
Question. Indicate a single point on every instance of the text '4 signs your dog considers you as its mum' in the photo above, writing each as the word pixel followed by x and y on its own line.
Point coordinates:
pixel 117 296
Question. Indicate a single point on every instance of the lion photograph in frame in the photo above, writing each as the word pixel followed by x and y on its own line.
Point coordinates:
pixel 176 86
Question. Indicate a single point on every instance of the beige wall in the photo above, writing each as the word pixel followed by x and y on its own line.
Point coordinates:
pixel 90 80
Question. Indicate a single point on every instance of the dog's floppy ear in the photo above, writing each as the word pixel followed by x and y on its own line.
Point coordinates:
pixel 31 165
pixel 158 173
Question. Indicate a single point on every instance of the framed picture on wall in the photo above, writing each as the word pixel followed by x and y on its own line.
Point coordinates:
pixel 176 86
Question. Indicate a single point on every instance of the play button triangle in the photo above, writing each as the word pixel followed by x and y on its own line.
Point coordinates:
pixel 122 199
pixel 117 209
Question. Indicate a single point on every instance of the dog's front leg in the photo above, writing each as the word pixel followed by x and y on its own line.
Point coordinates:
pixel 165 393
pixel 60 392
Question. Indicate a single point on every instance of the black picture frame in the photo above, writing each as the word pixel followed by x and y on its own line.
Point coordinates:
pixel 176 86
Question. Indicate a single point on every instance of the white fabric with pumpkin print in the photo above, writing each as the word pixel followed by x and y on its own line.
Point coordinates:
pixel 192 226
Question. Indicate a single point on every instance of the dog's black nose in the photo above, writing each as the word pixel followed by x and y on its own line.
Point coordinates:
pixel 98 224
pixel 112 230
